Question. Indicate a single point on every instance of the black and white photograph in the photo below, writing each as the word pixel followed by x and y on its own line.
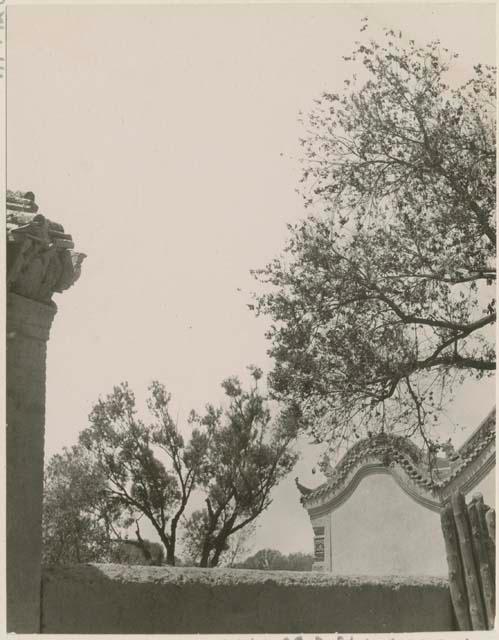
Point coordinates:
pixel 250 318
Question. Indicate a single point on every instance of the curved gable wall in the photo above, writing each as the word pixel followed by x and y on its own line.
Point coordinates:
pixel 487 487
pixel 380 530
pixel 379 511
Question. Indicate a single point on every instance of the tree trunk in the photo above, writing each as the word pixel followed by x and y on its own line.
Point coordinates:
pixel 170 556
pixel 208 542
pixel 78 556
pixel 221 540
pixel 216 556
pixel 142 545
pixel 205 555
pixel 170 551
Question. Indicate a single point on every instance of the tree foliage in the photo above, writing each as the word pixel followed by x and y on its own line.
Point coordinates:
pixel 82 521
pixel 127 453
pixel 150 470
pixel 79 520
pixel 384 297
pixel 248 455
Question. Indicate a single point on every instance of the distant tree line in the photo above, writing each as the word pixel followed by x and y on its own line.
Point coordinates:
pixel 271 559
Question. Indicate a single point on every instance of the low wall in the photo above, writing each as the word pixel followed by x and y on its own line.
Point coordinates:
pixel 96 598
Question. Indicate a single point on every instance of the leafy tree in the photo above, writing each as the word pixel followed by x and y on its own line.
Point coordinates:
pixel 79 521
pixel 137 480
pixel 248 457
pixel 384 297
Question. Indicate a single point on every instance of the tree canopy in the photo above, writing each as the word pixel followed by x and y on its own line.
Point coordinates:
pixel 248 455
pixel 79 519
pixel 384 296
pixel 125 469
pixel 126 450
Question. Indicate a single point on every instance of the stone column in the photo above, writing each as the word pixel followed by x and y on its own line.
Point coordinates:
pixel 28 326
pixel 40 261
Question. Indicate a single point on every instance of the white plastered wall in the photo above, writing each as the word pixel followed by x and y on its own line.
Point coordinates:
pixel 487 487
pixel 380 530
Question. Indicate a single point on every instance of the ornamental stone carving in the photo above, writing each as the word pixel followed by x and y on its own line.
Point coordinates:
pixel 41 259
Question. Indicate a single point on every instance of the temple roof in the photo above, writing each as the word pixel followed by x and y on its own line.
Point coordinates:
pixel 410 467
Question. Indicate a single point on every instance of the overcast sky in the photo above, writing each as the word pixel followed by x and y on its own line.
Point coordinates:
pixel 165 140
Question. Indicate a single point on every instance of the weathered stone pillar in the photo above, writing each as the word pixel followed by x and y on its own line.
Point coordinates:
pixel 40 261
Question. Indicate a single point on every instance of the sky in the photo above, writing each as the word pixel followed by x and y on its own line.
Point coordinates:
pixel 165 140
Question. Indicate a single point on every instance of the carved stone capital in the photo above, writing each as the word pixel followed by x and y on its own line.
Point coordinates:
pixel 41 259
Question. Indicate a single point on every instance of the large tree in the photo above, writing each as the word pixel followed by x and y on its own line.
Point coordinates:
pixel 249 454
pixel 384 296
pixel 80 521
pixel 128 454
